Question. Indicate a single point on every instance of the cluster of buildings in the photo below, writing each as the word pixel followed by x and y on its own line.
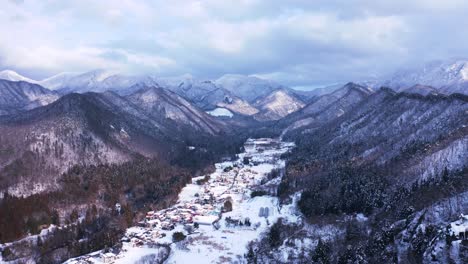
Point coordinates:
pixel 182 213
pixel 231 181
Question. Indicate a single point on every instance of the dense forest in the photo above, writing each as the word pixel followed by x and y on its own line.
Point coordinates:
pixel 86 204
pixel 335 198
pixel 388 176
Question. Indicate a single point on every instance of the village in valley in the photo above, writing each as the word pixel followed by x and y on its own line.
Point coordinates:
pixel 216 216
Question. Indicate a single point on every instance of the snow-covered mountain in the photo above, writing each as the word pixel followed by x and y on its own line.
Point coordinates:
pixel 378 176
pixel 10 75
pixel 420 89
pixel 248 87
pixel 277 105
pixel 99 128
pixel 327 107
pixel 389 151
pixel 448 76
pixel 101 80
pixel 16 96
pixel 237 93
pixel 159 102
pixel 95 81
pixel 55 82
pixel 203 93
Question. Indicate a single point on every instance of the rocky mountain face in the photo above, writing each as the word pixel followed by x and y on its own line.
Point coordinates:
pixel 449 76
pixel 17 96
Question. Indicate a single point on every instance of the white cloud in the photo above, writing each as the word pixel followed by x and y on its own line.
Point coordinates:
pixel 297 41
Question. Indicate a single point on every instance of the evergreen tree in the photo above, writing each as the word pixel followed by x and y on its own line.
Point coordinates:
pixel 322 252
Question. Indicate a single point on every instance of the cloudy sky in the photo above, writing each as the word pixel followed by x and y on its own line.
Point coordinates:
pixel 298 43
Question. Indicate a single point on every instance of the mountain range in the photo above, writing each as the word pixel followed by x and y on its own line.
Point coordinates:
pixel 378 173
pixel 236 93
pixel 383 180
pixel 446 76
pixel 325 108
pixel 97 128
pixel 16 96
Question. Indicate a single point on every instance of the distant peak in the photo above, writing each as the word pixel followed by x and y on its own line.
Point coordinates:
pixel 61 74
pixel 101 74
pixel 352 84
pixel 143 88
pixel 358 87
pixel 11 75
pixel 8 72
pixel 421 86
pixel 386 90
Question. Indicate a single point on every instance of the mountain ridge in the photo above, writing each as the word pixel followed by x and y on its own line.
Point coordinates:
pixel 447 76
pixel 17 96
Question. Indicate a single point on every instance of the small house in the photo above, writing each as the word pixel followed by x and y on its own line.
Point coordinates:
pixel 108 257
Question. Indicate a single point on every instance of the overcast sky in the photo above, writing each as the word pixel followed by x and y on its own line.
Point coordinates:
pixel 298 43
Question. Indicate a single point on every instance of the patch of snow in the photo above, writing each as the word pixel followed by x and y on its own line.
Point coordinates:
pixel 361 217
pixel 461 225
pixel 220 112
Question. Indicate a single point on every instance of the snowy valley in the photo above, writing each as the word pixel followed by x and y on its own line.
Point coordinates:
pixel 216 215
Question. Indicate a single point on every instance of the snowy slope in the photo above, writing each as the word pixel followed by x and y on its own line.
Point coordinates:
pixel 448 76
pixel 17 96
pixel 55 82
pixel 247 87
pixel 159 102
pixel 208 94
pixel 277 105
pixel 421 89
pixel 237 93
pixel 10 75
pixel 96 81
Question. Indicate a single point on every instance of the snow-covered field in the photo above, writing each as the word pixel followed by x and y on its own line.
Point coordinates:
pixel 221 112
pixel 216 240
